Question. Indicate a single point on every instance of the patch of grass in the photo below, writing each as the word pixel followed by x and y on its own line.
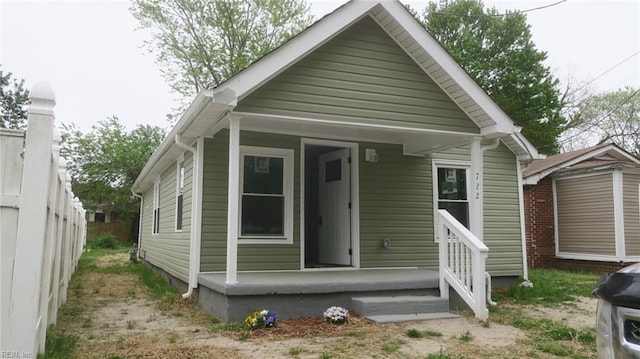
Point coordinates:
pixel 325 356
pixel 393 347
pixel 87 322
pixel 131 324
pixel 58 346
pixel 227 327
pixel 415 333
pixel 70 311
pixel 104 241
pixel 550 287
pixel 466 337
pixel 440 355
pixel 587 336
pixel 295 351
pixel 173 338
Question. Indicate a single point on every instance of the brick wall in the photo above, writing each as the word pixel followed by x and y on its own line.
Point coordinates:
pixel 539 227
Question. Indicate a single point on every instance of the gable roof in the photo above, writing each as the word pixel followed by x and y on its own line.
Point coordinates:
pixel 591 157
pixel 204 115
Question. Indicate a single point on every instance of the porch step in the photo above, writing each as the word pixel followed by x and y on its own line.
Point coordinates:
pixel 413 305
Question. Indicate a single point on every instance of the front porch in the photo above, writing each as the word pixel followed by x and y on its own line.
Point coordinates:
pixel 308 293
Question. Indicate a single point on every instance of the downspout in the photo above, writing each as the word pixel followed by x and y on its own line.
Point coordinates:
pixel 139 220
pixel 194 215
pixel 483 149
pixel 523 234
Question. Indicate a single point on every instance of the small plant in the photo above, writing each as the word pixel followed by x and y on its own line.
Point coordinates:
pixel 173 338
pixel 261 320
pixel 466 337
pixel 392 347
pixel 414 333
pixel 336 315
pixel 131 324
pixel 105 241
pixel 295 351
pixel 87 323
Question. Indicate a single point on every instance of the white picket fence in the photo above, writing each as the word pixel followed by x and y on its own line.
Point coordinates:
pixel 42 233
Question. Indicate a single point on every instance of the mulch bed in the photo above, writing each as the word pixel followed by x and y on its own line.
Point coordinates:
pixel 313 327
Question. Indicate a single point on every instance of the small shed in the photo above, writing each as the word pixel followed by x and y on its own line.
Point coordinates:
pixel 582 209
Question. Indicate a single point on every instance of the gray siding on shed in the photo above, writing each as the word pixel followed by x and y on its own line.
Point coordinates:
pixel 361 76
pixel 585 214
pixel 631 214
pixel 169 249
pixel 214 208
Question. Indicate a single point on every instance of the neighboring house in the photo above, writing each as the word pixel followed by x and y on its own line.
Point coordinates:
pixel 103 219
pixel 582 209
pixel 314 178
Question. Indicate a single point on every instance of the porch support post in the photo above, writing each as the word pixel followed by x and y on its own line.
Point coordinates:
pixel 233 198
pixel 476 197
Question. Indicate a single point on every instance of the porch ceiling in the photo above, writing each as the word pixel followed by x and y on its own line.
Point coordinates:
pixel 416 141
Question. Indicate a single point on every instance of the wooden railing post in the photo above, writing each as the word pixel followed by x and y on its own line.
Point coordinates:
pixel 25 317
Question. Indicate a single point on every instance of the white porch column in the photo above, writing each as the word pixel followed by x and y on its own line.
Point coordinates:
pixel 476 217
pixel 234 197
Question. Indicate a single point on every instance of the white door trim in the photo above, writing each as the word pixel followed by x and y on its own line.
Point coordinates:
pixel 355 197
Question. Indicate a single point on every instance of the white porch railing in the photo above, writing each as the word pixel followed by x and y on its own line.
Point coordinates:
pixel 462 263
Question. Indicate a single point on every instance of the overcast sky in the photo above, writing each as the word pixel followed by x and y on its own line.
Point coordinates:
pixel 91 53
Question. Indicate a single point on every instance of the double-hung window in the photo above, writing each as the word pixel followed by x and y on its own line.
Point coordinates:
pixel 266 195
pixel 156 207
pixel 451 191
pixel 179 193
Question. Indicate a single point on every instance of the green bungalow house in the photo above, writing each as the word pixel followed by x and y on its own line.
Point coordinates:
pixel 355 165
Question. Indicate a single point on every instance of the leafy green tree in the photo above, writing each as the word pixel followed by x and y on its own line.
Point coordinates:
pixel 105 162
pixel 608 117
pixel 201 43
pixel 498 52
pixel 14 99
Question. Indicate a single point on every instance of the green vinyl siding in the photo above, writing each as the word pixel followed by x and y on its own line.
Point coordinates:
pixel 169 249
pixel 631 214
pixel 502 232
pixel 360 76
pixel 214 208
pixel 501 207
pixel 396 204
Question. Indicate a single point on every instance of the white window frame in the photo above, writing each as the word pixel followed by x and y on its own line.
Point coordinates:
pixel 155 219
pixel 287 178
pixel 435 164
pixel 180 174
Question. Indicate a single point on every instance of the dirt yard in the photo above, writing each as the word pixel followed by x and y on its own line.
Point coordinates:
pixel 112 316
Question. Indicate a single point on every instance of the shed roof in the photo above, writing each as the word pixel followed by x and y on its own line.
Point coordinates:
pixel 606 154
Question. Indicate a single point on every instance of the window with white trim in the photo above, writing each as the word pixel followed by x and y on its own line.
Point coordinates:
pixel 266 195
pixel 452 192
pixel 155 227
pixel 179 193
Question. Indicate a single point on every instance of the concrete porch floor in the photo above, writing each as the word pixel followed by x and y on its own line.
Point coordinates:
pixel 307 293
pixel 329 281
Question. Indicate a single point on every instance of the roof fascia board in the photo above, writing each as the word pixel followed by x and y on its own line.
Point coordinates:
pixel 533 179
pixel 198 104
pixel 296 48
pixel 449 65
